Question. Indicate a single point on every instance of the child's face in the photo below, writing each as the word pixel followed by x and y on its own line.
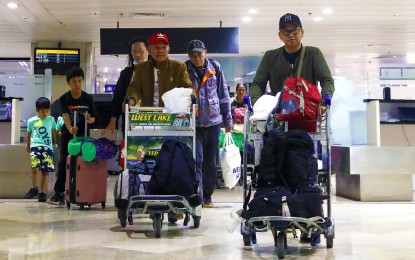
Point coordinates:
pixel 76 83
pixel 42 113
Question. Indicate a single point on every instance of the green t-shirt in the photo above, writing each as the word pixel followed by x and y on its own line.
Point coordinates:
pixel 41 130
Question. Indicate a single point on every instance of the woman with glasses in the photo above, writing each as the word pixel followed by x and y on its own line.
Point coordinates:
pixel 278 64
pixel 138 54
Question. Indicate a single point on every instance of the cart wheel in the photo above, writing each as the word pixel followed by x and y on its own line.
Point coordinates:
pixel 329 234
pixel 68 205
pixel 247 240
pixel 274 235
pixel 281 244
pixel 329 242
pixel 81 206
pixel 103 205
pixel 196 221
pixel 157 225
pixel 186 219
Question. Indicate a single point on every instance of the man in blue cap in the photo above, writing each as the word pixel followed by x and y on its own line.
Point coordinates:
pixel 280 63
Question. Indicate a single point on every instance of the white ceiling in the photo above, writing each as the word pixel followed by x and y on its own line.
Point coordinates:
pixel 386 25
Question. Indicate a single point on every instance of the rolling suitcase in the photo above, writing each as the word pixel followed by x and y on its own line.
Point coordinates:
pixel 86 182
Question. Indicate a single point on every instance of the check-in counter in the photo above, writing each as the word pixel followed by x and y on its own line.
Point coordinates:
pixel 370 173
pixel 15 172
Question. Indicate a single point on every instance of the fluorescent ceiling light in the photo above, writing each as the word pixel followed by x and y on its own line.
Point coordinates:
pixel 246 19
pixel 327 11
pixel 317 19
pixel 252 11
pixel 12 5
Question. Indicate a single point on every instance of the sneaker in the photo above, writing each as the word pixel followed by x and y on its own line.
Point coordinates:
pixel 56 199
pixel 41 197
pixel 33 192
pixel 208 204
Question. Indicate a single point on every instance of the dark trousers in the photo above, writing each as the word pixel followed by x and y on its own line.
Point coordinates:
pixel 207 145
pixel 61 173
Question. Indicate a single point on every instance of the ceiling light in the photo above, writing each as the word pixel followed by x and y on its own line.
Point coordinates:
pixel 246 19
pixel 105 79
pixel 106 69
pixel 12 5
pixel 327 11
pixel 317 19
pixel 119 69
pixel 252 11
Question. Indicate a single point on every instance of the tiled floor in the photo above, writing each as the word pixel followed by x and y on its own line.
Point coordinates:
pixel 32 230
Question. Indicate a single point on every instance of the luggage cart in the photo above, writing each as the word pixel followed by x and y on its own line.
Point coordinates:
pixel 279 225
pixel 151 122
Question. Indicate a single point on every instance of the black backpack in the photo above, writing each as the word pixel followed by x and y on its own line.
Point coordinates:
pixel 266 202
pixel 174 171
pixel 286 159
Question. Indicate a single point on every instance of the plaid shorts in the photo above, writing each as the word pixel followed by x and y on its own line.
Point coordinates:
pixel 42 157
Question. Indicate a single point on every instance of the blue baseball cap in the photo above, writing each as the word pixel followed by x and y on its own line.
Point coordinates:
pixel 290 18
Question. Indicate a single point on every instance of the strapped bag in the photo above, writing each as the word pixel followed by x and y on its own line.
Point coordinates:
pixel 299 102
pixel 133 182
pixel 175 172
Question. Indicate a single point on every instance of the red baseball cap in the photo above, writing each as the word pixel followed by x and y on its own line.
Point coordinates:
pixel 157 38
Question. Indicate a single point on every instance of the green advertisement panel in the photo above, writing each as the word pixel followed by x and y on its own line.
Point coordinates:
pixel 140 146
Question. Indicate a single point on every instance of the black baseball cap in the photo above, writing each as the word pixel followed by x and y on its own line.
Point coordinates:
pixel 290 18
pixel 196 45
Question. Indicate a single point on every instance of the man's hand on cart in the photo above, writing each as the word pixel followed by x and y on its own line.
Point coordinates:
pixel 228 129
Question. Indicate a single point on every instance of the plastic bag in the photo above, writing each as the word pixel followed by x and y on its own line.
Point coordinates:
pixel 177 100
pixel 264 106
pixel 230 161
pixel 238 139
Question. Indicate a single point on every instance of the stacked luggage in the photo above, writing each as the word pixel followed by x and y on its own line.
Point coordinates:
pixel 288 194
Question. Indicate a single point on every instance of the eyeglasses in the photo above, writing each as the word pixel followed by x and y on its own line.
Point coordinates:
pixel 288 32
pixel 134 52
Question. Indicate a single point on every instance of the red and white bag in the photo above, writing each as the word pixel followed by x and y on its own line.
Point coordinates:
pixel 299 102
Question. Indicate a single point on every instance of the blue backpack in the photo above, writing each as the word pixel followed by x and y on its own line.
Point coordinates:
pixel 174 171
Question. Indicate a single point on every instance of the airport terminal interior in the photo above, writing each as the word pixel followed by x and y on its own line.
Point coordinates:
pixel 370 126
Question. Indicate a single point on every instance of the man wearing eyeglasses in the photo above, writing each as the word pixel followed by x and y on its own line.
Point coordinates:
pixel 278 64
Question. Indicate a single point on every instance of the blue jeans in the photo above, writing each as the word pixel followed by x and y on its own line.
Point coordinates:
pixel 207 147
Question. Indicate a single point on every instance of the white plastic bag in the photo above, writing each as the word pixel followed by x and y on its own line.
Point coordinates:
pixel 263 107
pixel 177 100
pixel 230 161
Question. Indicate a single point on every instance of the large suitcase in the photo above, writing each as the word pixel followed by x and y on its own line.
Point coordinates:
pixel 86 182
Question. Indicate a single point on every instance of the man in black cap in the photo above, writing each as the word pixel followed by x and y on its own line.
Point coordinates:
pixel 213 111
pixel 278 64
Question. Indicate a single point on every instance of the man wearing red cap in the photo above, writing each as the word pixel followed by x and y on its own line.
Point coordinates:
pixel 157 75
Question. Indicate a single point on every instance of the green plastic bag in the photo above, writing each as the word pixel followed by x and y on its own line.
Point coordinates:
pixel 238 139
